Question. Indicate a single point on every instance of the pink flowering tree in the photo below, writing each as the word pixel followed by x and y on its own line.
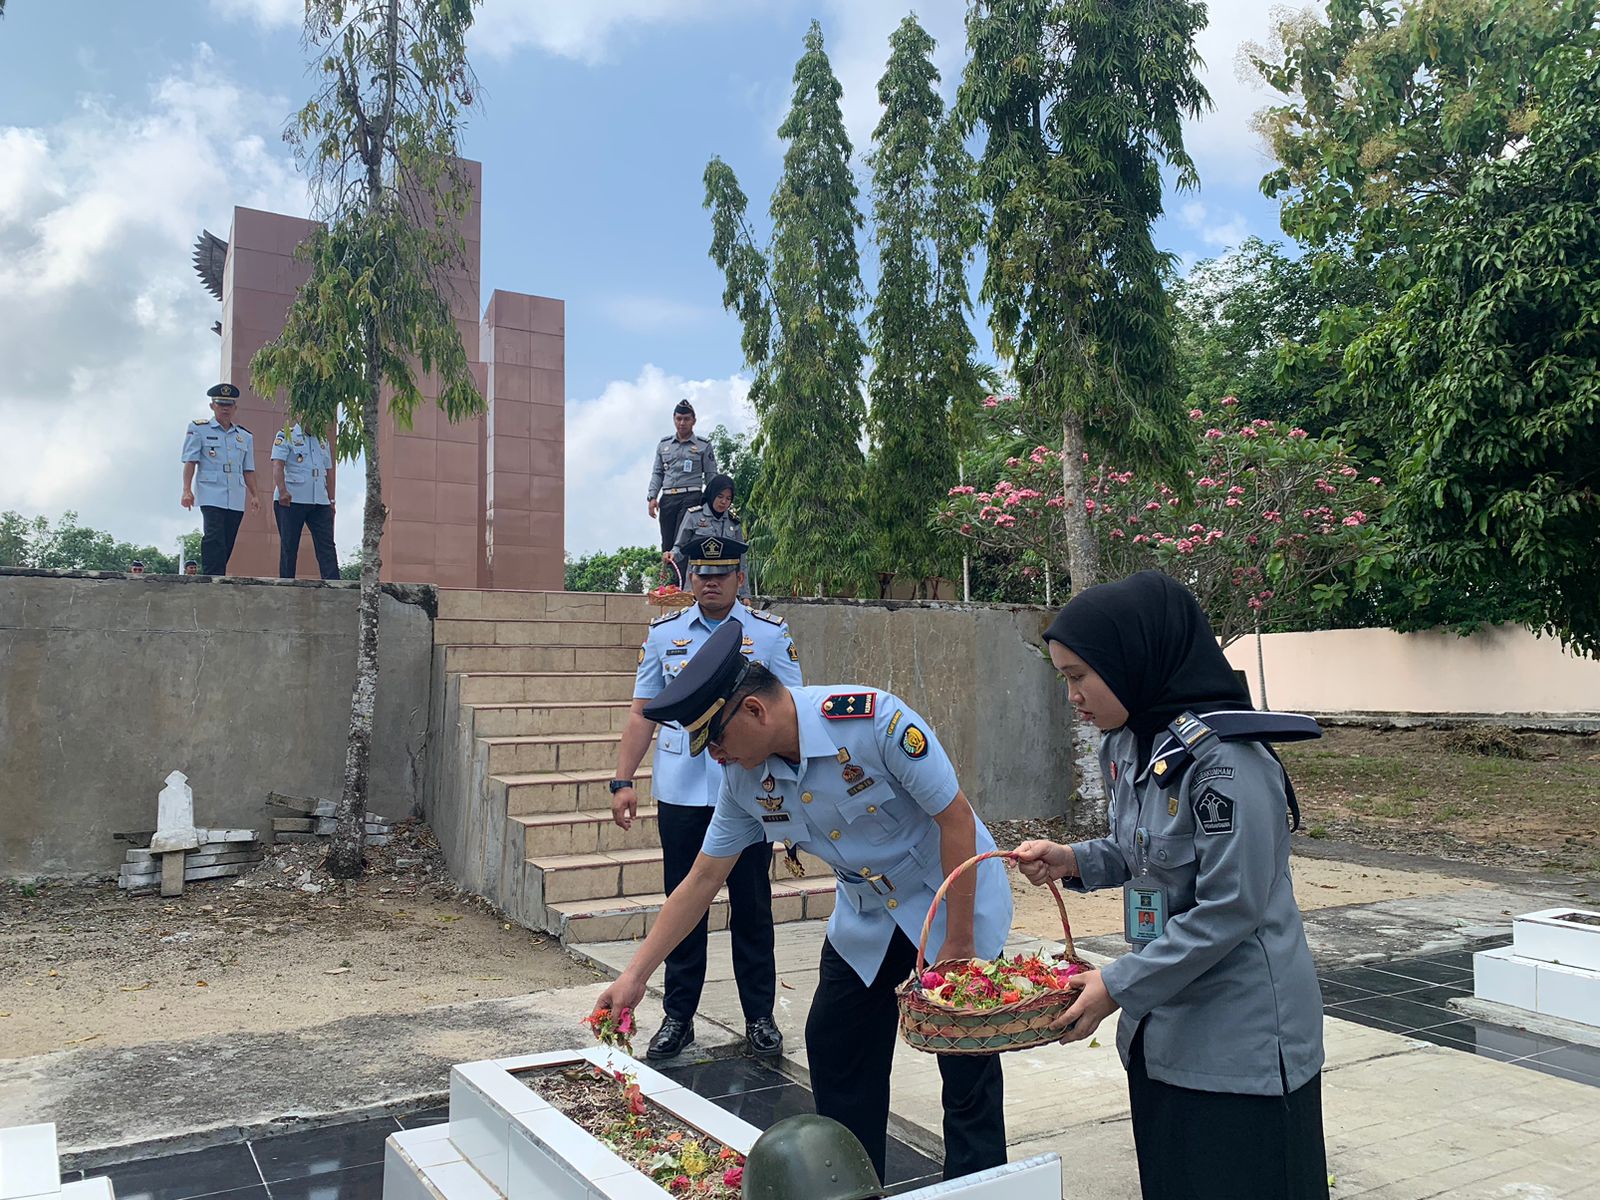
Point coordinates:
pixel 1271 529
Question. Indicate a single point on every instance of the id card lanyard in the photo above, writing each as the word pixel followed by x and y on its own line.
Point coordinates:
pixel 1144 902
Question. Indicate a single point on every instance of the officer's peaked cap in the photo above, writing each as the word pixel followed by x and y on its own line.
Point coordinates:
pixel 223 391
pixel 701 690
pixel 683 409
pixel 714 554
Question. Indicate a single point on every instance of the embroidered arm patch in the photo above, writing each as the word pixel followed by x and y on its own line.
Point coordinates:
pixel 1213 811
pixel 845 705
pixel 914 742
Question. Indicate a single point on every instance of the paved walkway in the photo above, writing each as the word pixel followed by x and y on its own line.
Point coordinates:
pixel 1405 1119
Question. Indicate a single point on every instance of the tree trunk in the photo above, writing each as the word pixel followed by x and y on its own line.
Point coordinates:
pixel 345 859
pixel 1083 561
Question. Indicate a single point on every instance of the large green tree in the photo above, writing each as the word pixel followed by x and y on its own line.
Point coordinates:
pixel 921 343
pixel 797 301
pixel 70 546
pixel 1488 366
pixel 379 140
pixel 1082 103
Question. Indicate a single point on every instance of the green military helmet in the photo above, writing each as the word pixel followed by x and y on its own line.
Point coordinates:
pixel 808 1157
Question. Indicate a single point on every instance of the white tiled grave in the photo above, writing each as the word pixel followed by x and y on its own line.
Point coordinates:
pixel 31 1170
pixel 1552 966
pixel 503 1140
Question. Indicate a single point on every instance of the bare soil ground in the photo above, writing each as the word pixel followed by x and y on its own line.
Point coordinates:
pixel 82 964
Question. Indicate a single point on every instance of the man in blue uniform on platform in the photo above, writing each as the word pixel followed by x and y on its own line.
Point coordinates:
pixel 856 777
pixel 219 470
pixel 302 498
pixel 685 787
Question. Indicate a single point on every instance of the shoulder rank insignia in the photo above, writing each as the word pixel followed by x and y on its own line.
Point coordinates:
pixel 771 618
pixel 669 616
pixel 202 420
pixel 843 705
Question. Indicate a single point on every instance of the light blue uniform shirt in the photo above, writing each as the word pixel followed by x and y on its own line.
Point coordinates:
pixel 306 462
pixel 679 777
pixel 223 455
pixel 871 778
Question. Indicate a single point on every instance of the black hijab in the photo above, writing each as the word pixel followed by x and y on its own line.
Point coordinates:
pixel 715 486
pixel 1149 639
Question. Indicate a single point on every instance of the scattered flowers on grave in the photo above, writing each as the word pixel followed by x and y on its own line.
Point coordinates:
pixel 984 983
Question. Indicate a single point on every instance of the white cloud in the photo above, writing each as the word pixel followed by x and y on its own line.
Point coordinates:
pixel 652 314
pixel 610 441
pixel 584 30
pixel 269 14
pixel 1217 231
pixel 104 328
pixel 1224 146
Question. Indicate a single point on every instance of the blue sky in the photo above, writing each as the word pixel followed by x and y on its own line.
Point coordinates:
pixel 126 128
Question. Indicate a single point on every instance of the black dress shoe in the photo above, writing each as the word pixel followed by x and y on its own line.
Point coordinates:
pixel 671 1040
pixel 764 1037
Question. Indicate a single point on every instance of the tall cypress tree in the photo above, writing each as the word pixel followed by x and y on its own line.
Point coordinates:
pixel 921 345
pixel 798 304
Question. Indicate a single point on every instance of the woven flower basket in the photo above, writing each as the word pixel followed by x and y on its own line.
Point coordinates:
pixel 1020 1025
pixel 680 598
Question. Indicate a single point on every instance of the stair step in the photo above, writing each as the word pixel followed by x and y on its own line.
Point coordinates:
pixel 630 872
pixel 529 719
pixel 631 917
pixel 563 752
pixel 540 659
pixel 471 632
pixel 475 604
pixel 542 687
pixel 587 831
pixel 561 791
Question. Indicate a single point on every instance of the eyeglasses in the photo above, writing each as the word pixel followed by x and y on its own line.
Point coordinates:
pixel 719 728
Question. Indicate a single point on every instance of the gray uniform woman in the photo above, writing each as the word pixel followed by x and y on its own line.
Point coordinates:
pixel 712 517
pixel 1221 1026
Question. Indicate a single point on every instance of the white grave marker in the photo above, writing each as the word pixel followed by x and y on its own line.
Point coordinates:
pixel 175 817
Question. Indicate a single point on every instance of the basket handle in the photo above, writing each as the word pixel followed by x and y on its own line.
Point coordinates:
pixel 938 898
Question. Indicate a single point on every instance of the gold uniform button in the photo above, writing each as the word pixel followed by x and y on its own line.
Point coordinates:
pixel 872 808
pixel 834 835
pixel 865 872
pixel 805 797
pixel 893 903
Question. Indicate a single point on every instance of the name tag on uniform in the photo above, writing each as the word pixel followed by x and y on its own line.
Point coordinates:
pixel 688 465
pixel 774 818
pixel 1144 912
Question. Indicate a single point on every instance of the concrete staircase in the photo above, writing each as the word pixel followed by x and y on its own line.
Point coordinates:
pixel 531 693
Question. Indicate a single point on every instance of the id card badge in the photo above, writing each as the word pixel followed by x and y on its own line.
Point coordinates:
pixel 688 465
pixel 1144 912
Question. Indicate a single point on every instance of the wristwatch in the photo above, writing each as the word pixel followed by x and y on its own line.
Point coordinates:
pixel 616 785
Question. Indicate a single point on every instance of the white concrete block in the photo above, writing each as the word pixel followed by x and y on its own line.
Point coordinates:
pixel 530 1062
pixel 402 1179
pixel 538 1170
pixel 710 1119
pixel 28 1162
pixel 428 1146
pixel 1032 1179
pixel 479 1129
pixel 1503 977
pixel 458 1181
pixel 1543 936
pixel 632 1186
pixel 1570 993
pixel 650 1081
pixel 97 1188
pixel 505 1092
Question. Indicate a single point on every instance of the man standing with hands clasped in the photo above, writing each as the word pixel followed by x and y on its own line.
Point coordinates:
pixel 685 787
pixel 219 469
pixel 302 495
pixel 683 463
pixel 854 776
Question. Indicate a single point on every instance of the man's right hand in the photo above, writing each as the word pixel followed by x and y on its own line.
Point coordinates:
pixel 625 993
pixel 655 508
pixel 285 499
pixel 187 499
pixel 1044 860
pixel 625 807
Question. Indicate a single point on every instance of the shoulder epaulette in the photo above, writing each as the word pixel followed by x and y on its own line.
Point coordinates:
pixel 771 618
pixel 1188 732
pixel 202 420
pixel 697 508
pixel 246 428
pixel 843 706
pixel 668 616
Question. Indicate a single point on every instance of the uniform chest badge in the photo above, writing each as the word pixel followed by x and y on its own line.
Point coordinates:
pixel 299 458
pixel 853 773
pixel 1113 769
pixel 770 803
pixel 862 786
pixel 1172 806
pixel 212 451
pixel 844 756
pixel 681 641
pixel 768 784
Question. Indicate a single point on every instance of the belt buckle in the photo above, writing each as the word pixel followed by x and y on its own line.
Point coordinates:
pixel 888 884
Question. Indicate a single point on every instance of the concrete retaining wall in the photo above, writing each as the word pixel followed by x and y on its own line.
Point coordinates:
pixel 976 672
pixel 1506 672
pixel 108 683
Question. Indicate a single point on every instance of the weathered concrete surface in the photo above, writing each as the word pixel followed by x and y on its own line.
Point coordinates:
pixel 107 683
pixel 182 1094
pixel 975 671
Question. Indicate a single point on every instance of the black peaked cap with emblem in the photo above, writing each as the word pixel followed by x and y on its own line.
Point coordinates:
pixel 715 555
pixel 223 391
pixel 683 408
pixel 699 691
